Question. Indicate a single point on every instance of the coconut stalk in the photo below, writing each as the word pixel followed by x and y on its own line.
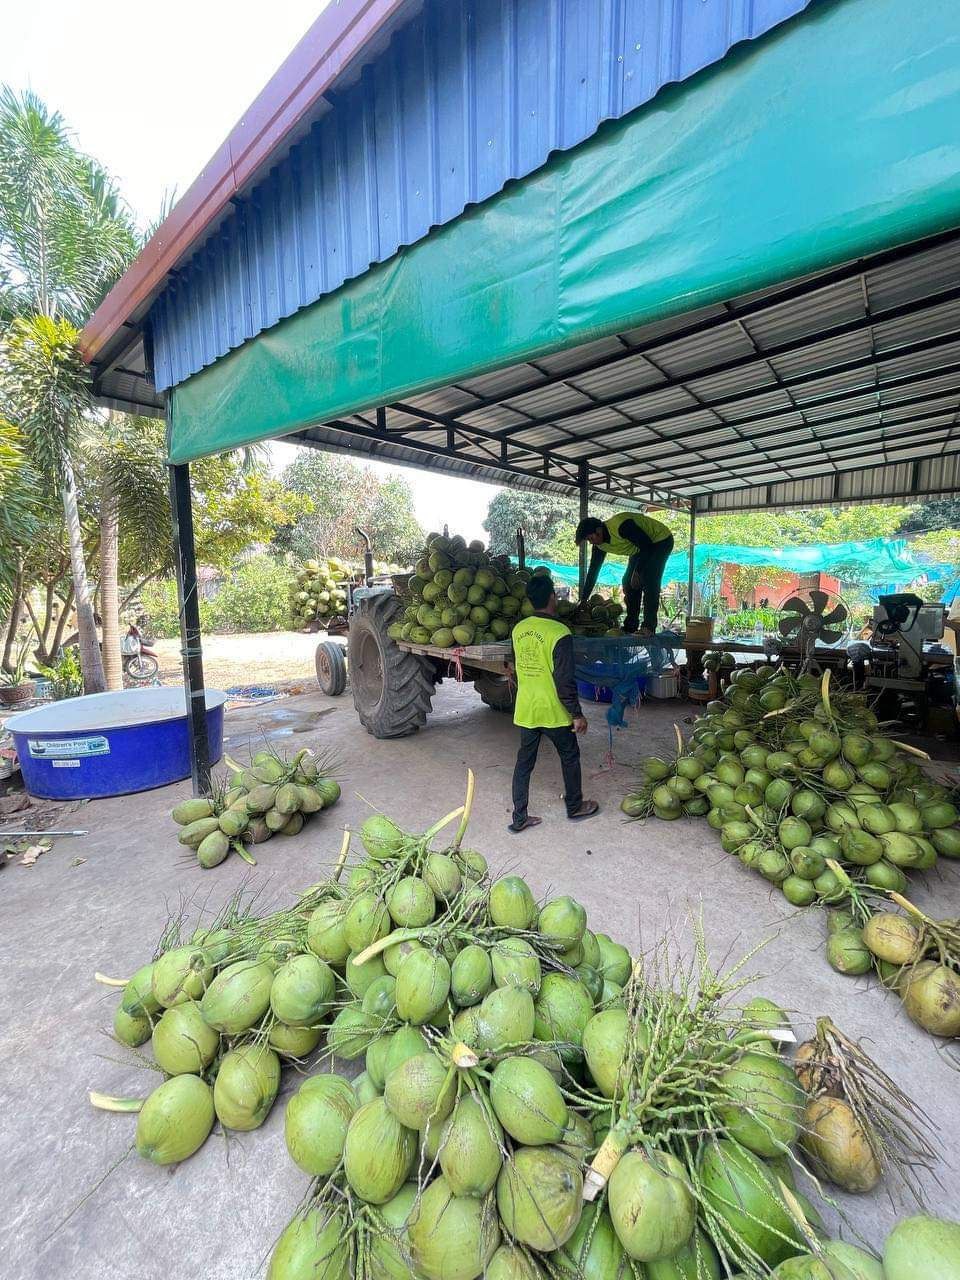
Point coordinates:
pixel 898 1131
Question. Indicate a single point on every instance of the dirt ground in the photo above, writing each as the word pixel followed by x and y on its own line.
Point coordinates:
pixel 79 1204
pixel 282 658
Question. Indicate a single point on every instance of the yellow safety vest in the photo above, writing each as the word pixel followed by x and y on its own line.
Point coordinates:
pixel 619 546
pixel 537 706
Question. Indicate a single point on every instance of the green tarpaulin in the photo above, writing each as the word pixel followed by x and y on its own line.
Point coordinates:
pixel 835 136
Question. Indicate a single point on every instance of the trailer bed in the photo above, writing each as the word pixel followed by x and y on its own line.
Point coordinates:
pixel 478 657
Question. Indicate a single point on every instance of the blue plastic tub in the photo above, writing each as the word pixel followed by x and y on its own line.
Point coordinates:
pixel 110 744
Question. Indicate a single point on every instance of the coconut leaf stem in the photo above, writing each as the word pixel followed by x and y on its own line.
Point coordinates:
pixel 110 982
pixel 467 807
pixel 107 1102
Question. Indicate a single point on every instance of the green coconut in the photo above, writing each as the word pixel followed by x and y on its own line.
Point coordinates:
pixel 411 903
pixel 351 1032
pixel 375 1061
pixel 238 996
pixel 397 952
pixel 577 1140
pixel 360 977
pixel 604 1045
pixel 743 1195
pixel 766 1103
pixel 451 1237
pixel 471 1148
pixel 650 1204
pixel 138 999
pixel 540 1197
pixel 893 937
pixel 516 964
pixel 847 953
pixel 615 962
pixel 921 1248
pixel 302 991
pixel 511 903
pixel 946 841
pixel 564 920
pixel 593 1252
pixel 325 933
pixel 389 1250
pixel 884 875
pixel 379 1152
pixel 175 1120
pixel 528 1102
pixel 381 838
pixel 183 1041
pixel 131 1029
pixel 179 975
pixel 504 1017
pixel 294 1042
pixel 442 875
pixel 421 1088
pixel 316 1121
pixel 423 985
pixel 561 1012
pixel 471 976
pixel 860 847
pixel 365 1089
pixel 931 997
pixel 314 1246
pixel 405 1043
pixel 696 1260
pixel 366 921
pixel 837 1145
pixel 246 1086
pixel 380 998
pixel 511 1262
pixel 859 1265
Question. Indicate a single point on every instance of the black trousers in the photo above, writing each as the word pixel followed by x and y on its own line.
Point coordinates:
pixel 568 749
pixel 648 565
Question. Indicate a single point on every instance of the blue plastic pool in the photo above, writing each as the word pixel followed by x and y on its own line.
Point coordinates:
pixel 109 744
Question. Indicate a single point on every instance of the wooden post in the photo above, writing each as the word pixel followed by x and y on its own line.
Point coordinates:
pixel 185 558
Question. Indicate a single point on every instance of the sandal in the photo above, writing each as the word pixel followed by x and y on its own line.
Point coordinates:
pixel 524 825
pixel 586 810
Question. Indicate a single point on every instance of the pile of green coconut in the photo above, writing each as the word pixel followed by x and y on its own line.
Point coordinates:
pixel 515 1095
pixel 275 795
pixel 318 592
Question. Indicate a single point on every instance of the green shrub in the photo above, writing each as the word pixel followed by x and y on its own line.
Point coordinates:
pixel 254 600
pixel 159 600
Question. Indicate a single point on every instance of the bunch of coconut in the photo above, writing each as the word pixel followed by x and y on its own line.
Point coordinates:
pixel 318 592
pixel 273 796
pixel 794 779
pixel 595 616
pixel 461 595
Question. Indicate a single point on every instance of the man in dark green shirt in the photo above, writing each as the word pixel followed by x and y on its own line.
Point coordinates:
pixel 647 544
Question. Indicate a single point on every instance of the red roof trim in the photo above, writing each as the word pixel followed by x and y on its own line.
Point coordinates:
pixel 333 40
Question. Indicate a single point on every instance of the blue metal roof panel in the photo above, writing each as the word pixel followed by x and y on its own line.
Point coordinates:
pixel 467 95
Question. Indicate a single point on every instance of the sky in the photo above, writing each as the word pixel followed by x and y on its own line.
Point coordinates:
pixel 151 91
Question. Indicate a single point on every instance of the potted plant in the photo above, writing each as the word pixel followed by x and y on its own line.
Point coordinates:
pixel 14 687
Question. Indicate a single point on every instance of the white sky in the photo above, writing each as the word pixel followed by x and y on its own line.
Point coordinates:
pixel 151 91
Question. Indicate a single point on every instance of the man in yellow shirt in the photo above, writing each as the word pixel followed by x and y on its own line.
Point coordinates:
pixel 647 543
pixel 547 703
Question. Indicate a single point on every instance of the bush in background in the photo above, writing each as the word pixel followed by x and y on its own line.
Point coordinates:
pixel 254 599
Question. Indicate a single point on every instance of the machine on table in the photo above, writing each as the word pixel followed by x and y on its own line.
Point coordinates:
pixel 903 659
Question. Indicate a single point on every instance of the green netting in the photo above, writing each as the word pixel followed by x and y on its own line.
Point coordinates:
pixel 876 561
pixel 834 137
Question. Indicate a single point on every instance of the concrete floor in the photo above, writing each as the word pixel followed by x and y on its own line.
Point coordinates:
pixel 217 1215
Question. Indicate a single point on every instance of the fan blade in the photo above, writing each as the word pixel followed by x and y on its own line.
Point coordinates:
pixel 819 600
pixel 795 605
pixel 830 637
pixel 836 614
pixel 788 627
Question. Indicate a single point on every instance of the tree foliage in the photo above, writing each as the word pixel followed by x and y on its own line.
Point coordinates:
pixel 342 497
pixel 549 524
pixel 943 513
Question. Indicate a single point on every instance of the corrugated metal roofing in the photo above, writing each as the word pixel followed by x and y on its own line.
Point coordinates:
pixel 467 95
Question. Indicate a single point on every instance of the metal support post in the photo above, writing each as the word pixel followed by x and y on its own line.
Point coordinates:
pixel 185 558
pixel 691 561
pixel 582 479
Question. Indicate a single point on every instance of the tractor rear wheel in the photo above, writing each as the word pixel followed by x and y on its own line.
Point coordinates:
pixel 496 691
pixel 392 689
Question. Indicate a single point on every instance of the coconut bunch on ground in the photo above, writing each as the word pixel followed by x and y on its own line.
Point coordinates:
pixel 792 778
pixel 532 1101
pixel 461 595
pixel 273 796
pixel 318 592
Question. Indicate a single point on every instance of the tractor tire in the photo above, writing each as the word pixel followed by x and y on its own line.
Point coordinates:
pixel 331 664
pixel 496 691
pixel 392 690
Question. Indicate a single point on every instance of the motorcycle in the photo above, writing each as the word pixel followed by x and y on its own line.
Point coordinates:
pixel 140 662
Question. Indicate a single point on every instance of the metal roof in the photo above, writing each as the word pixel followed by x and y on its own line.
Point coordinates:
pixel 408 133
pixel 839 388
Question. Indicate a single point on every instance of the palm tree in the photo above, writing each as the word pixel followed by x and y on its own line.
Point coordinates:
pixel 64 238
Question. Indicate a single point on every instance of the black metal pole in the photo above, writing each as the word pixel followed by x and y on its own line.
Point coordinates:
pixel 582 478
pixel 691 562
pixel 185 558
